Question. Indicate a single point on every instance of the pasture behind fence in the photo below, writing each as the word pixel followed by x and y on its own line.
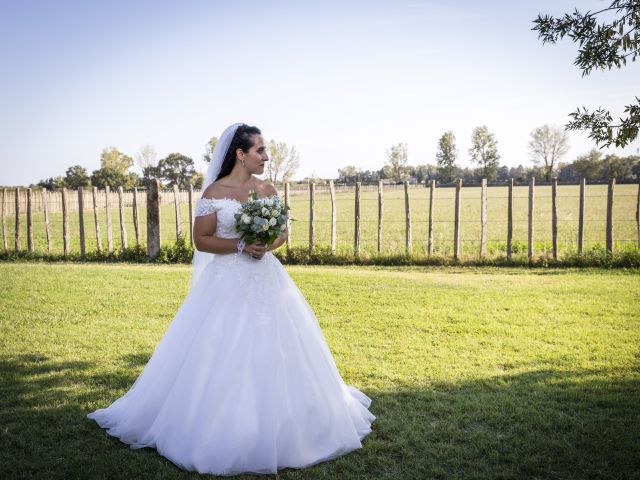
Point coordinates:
pixel 83 216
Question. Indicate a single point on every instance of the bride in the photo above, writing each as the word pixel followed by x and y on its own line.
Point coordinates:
pixel 242 380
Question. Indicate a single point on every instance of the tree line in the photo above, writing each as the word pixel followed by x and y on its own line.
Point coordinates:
pixel 174 169
pixel 547 147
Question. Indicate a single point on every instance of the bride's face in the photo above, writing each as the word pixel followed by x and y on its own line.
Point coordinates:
pixel 256 157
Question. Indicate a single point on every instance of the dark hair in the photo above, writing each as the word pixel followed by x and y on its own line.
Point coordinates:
pixel 241 139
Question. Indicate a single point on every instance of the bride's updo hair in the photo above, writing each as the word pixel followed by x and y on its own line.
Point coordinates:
pixel 242 139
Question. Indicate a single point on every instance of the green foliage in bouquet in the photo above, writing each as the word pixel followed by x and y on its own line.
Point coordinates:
pixel 262 219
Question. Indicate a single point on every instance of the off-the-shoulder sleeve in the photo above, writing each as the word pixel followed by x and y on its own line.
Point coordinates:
pixel 205 206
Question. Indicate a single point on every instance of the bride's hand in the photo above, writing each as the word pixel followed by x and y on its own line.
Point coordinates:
pixel 256 249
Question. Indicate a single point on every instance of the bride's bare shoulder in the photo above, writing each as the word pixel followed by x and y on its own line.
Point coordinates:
pixel 215 190
pixel 266 188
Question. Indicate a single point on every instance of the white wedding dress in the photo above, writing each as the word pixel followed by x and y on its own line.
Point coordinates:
pixel 242 380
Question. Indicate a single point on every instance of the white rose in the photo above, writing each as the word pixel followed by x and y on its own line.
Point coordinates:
pixel 273 221
pixel 246 219
pixel 265 211
pixel 265 226
pixel 269 202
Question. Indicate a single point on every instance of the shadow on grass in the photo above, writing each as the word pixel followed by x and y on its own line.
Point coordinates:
pixel 539 424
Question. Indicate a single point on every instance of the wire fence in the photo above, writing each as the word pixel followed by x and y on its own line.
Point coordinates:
pixel 357 219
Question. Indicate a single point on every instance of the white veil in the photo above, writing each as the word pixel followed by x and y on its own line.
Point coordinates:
pixel 202 259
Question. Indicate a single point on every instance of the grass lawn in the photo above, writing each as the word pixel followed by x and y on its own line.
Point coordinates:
pixel 477 373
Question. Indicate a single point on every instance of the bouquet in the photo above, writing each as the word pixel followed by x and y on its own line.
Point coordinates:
pixel 262 219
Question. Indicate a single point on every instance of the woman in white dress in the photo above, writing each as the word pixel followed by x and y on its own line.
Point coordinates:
pixel 242 380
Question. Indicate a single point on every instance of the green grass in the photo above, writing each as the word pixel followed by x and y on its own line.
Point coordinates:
pixel 477 373
pixel 625 229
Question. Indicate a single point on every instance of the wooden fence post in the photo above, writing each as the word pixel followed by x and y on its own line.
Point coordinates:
pixel 312 209
pixel 47 224
pixel 18 243
pixel 286 202
pixel 510 221
pixel 65 222
pixel 532 182
pixel 554 216
pixel 407 214
pixel 136 215
pixel 334 242
pixel 123 229
pixel 612 184
pixel 456 225
pixel 356 236
pixel 29 222
pixel 581 217
pixel 432 189
pixel 483 218
pixel 4 215
pixel 176 204
pixel 81 221
pixel 94 194
pixel 107 206
pixel 380 212
pixel 153 218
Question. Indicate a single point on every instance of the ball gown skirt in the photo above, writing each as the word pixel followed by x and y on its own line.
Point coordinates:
pixel 242 380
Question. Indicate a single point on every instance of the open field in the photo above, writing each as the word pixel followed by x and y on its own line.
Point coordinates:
pixel 477 373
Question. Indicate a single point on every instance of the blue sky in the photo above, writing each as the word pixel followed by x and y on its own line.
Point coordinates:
pixel 342 81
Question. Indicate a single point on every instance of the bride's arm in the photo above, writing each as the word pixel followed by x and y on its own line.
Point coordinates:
pixel 204 227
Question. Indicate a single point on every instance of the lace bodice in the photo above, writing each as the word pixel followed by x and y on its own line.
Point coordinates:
pixel 224 208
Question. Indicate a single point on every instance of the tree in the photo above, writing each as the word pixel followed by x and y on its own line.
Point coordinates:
pixel 519 174
pixel 112 159
pixel 567 173
pixel 502 174
pixel 177 169
pixel 198 180
pixel 635 168
pixel 52 183
pixel 146 157
pixel 152 171
pixel 484 151
pixel 397 158
pixel 423 173
pixel 209 147
pixel 447 155
pixel 588 166
pixel 283 162
pixel 608 44
pixel 369 176
pixel 349 174
pixel 547 145
pixel 113 171
pixel 76 177
pixel 617 167
pixel 114 178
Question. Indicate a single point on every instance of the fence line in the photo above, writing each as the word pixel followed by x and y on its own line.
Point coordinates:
pixel 54 198
pixel 30 202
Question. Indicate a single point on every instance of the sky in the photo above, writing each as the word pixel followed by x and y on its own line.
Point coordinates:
pixel 342 81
